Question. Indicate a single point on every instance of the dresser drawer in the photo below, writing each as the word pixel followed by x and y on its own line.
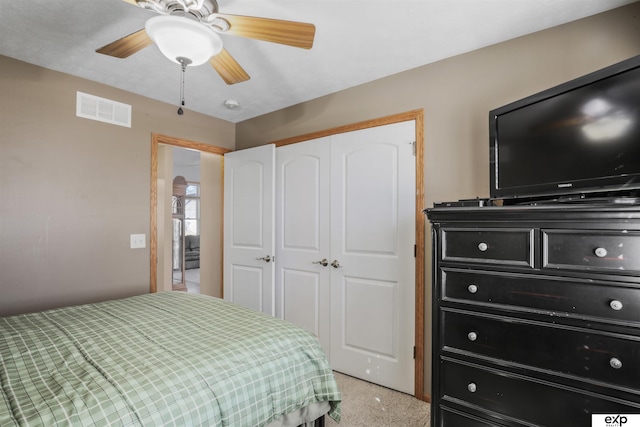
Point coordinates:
pixel 495 246
pixel 591 250
pixel 606 300
pixel 501 394
pixel 456 419
pixel 600 356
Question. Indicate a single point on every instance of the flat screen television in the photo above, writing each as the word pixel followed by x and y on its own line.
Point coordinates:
pixel 575 140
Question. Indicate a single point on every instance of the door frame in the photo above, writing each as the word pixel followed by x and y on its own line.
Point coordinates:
pixel 418 116
pixel 157 139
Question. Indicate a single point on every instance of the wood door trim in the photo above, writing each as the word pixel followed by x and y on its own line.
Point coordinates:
pixel 418 116
pixel 381 121
pixel 157 139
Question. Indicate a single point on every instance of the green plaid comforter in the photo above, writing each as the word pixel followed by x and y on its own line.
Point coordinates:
pixel 158 359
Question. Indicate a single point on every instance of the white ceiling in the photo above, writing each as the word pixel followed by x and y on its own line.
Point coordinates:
pixel 356 41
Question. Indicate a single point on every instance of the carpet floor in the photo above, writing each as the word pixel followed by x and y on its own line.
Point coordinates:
pixel 369 405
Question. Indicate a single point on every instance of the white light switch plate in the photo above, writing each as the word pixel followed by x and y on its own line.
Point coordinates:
pixel 138 241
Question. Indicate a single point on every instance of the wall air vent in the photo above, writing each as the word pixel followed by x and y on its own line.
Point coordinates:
pixel 104 110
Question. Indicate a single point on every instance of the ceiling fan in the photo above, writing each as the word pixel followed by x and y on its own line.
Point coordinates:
pixel 187 31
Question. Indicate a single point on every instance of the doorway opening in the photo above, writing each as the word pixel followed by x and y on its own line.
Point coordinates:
pixel 176 233
pixel 185 222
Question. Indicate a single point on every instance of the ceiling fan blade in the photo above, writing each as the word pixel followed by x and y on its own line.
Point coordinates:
pixel 228 68
pixel 291 33
pixel 127 45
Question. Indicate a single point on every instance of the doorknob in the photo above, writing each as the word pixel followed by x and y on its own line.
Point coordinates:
pixel 323 262
pixel 265 258
pixel 335 264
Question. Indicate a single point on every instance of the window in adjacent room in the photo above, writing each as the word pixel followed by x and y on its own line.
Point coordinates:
pixel 192 209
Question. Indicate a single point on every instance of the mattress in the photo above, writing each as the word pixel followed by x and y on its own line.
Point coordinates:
pixel 169 358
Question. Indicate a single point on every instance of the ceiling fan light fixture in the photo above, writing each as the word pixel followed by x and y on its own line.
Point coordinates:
pixel 218 23
pixel 192 4
pixel 179 37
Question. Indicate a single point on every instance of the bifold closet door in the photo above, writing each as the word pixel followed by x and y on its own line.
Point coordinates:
pixel 372 254
pixel 345 236
pixel 249 228
pixel 302 236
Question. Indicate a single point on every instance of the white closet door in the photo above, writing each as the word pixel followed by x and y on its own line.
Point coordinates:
pixel 302 236
pixel 372 248
pixel 249 228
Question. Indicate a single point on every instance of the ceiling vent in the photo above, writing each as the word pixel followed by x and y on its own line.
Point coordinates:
pixel 103 110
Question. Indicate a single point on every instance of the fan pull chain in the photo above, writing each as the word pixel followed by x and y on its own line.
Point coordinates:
pixel 183 64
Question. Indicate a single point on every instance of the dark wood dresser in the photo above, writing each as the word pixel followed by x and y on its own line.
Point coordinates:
pixel 536 314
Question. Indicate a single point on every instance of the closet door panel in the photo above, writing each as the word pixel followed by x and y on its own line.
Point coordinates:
pixel 345 236
pixel 249 228
pixel 302 236
pixel 372 244
pixel 301 298
pixel 370 199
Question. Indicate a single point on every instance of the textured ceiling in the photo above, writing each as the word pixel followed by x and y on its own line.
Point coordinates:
pixel 356 41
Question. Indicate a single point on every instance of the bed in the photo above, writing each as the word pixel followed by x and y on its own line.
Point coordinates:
pixel 169 358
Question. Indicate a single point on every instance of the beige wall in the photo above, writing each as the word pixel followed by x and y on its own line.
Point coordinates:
pixel 164 264
pixel 456 95
pixel 72 190
pixel 211 224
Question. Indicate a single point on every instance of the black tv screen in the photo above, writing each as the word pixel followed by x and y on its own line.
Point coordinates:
pixel 578 138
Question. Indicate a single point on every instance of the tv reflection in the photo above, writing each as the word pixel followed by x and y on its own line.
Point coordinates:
pixel 604 122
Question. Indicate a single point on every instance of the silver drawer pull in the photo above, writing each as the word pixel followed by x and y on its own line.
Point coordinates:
pixel 615 363
pixel 472 336
pixel 472 288
pixel 600 252
pixel 483 246
pixel 472 387
pixel 616 305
